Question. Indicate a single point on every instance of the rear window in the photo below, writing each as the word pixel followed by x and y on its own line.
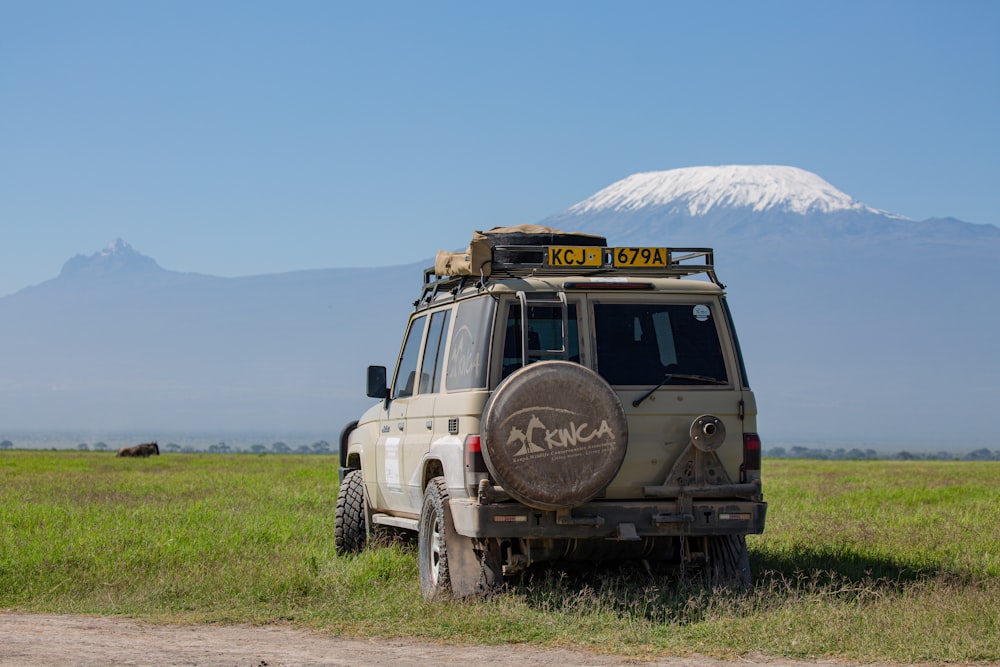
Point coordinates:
pixel 544 334
pixel 641 343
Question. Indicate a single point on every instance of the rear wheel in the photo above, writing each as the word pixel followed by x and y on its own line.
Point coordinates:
pixel 350 530
pixel 432 543
pixel 452 565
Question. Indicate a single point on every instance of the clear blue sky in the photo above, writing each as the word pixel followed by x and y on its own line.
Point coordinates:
pixel 236 138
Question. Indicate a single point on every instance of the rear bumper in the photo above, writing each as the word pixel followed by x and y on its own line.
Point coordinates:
pixel 614 520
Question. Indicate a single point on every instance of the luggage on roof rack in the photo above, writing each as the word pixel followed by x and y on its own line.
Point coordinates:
pixel 482 253
pixel 533 249
pixel 528 250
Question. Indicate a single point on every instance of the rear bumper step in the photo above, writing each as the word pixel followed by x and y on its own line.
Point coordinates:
pixel 601 520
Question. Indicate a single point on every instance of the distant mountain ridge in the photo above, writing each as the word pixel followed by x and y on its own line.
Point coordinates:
pixel 118 256
pixel 858 325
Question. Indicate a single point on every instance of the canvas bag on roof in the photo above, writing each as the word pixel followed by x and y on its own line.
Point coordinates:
pixel 474 261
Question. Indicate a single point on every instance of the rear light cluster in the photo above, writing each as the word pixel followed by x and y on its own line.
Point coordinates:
pixel 475 464
pixel 751 457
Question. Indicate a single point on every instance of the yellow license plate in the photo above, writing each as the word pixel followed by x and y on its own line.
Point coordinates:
pixel 655 257
pixel 575 256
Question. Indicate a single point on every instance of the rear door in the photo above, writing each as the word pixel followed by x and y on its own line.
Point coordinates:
pixel 671 360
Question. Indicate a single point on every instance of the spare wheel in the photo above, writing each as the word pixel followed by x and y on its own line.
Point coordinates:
pixel 554 434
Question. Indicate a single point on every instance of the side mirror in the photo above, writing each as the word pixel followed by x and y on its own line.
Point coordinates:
pixel 377 387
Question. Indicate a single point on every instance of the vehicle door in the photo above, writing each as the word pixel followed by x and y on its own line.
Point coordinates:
pixel 390 473
pixel 670 360
pixel 420 413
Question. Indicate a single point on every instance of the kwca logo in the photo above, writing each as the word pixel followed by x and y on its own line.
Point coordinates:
pixel 571 436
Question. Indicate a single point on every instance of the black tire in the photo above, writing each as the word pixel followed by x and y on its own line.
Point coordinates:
pixel 432 543
pixel 350 530
pixel 555 238
pixel 554 435
pixel 544 238
pixel 728 562
pixel 452 565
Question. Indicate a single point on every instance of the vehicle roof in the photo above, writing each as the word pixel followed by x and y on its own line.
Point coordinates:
pixel 552 284
pixel 558 284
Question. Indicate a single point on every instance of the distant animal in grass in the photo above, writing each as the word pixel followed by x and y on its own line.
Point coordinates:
pixel 148 449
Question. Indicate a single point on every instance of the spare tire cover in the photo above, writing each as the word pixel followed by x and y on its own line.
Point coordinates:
pixel 554 434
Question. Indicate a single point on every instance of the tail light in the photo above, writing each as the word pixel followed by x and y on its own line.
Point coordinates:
pixel 751 456
pixel 475 464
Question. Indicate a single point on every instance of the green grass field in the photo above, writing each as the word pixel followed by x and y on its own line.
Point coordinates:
pixel 862 560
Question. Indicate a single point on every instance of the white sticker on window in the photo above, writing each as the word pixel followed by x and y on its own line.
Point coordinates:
pixel 701 312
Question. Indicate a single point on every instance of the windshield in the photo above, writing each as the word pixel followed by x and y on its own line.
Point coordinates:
pixel 643 343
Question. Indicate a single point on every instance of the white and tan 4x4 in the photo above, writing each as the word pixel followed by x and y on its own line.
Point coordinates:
pixel 556 398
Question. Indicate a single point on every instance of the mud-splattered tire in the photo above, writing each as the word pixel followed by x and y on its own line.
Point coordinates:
pixel 432 542
pixel 350 531
pixel 452 565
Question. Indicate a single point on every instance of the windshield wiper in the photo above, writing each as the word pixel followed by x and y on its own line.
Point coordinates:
pixel 680 376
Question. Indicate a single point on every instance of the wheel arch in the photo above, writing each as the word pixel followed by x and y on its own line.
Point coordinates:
pixel 433 467
pixel 345 436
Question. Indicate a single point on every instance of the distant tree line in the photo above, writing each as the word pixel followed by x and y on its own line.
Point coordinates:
pixel 854 454
pixel 318 447
pixel 797 452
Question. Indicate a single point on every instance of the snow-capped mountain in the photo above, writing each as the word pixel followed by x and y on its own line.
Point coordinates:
pixel 701 190
pixel 726 205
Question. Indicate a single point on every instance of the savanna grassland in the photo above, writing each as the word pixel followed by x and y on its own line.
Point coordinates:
pixel 888 561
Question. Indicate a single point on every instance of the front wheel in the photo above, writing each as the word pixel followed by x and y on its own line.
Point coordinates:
pixel 350 530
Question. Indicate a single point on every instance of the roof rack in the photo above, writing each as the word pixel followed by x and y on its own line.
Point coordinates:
pixel 518 261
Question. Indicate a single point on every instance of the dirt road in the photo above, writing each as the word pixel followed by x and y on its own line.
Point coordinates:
pixel 32 640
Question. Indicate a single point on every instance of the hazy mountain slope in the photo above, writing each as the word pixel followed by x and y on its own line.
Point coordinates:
pixel 118 343
pixel 856 324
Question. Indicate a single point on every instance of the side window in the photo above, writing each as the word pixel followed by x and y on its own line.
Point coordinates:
pixel 470 344
pixel 433 362
pixel 544 333
pixel 406 369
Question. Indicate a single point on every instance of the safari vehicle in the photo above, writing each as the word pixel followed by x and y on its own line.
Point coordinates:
pixel 556 398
